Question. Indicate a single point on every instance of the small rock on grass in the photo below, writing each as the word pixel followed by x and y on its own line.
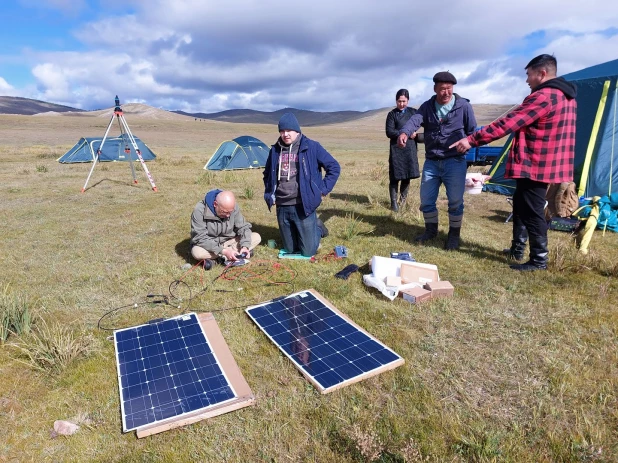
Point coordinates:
pixel 63 428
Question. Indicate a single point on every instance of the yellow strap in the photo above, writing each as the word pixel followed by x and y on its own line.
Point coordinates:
pixel 611 161
pixel 593 139
pixel 497 163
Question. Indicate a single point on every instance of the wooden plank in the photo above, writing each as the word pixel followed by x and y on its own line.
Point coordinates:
pixel 226 360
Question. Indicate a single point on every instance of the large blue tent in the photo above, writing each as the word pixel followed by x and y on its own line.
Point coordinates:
pixel 596 139
pixel 114 149
pixel 240 153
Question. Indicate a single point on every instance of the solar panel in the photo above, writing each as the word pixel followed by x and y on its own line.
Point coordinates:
pixel 168 370
pixel 329 349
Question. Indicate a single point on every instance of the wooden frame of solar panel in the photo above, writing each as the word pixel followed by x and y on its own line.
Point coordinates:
pixel 204 358
pixel 328 348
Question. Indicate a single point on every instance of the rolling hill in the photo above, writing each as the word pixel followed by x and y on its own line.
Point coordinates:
pixel 29 107
pixel 305 118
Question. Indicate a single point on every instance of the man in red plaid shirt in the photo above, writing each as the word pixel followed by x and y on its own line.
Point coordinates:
pixel 543 152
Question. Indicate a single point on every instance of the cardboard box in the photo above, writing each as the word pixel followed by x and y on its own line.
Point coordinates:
pixel 415 272
pixel 440 288
pixel 392 281
pixel 416 295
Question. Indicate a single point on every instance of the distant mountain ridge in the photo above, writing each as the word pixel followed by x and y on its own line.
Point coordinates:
pixel 485 113
pixel 305 118
pixel 29 107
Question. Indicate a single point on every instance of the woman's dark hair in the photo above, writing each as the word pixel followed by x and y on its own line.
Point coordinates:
pixel 402 92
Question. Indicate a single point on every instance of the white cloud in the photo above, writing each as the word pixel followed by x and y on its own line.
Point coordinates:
pixel 5 87
pixel 209 56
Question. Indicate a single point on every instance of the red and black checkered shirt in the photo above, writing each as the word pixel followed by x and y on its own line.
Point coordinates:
pixel 543 146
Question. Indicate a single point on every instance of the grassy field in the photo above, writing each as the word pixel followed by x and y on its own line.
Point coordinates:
pixel 514 368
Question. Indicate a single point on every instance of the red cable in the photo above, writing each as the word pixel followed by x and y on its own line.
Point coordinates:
pixel 250 271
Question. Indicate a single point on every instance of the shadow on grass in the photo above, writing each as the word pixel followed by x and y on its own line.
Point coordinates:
pixel 128 183
pixel 498 216
pixel 183 249
pixel 360 199
pixel 382 225
pixel 387 225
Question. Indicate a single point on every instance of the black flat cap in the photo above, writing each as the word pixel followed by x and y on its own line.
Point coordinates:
pixel 445 76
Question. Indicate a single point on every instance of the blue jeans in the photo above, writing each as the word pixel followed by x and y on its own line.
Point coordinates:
pixel 299 234
pixel 452 173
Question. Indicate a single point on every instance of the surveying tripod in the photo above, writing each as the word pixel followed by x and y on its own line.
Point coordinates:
pixel 127 137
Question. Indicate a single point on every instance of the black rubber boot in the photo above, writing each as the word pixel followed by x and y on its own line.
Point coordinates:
pixel 452 241
pixel 518 243
pixel 431 231
pixel 403 193
pixel 208 264
pixel 322 228
pixel 539 254
pixel 393 193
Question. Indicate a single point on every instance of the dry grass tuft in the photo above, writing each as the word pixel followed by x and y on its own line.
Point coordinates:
pixel 16 315
pixel 355 227
pixel 379 173
pixel 52 347
pixel 206 178
pixel 411 452
pixel 368 444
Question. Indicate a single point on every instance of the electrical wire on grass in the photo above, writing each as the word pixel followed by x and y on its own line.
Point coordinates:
pixel 254 270
pixel 135 305
pixel 263 270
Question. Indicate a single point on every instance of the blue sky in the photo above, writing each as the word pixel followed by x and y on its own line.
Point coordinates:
pixel 208 56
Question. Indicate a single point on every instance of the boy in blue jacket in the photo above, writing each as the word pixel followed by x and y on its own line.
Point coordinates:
pixel 293 182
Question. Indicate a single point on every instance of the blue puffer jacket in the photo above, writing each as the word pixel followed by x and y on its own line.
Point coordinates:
pixel 312 158
pixel 439 135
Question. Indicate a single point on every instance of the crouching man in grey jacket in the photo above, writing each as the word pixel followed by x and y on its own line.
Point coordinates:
pixel 219 231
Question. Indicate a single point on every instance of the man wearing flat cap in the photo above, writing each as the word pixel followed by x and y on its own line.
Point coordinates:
pixel 446 117
pixel 293 182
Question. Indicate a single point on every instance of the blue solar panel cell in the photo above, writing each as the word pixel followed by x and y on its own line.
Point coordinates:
pixel 166 370
pixel 328 348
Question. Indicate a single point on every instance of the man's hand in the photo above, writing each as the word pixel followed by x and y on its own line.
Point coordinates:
pixel 462 145
pixel 229 254
pixel 402 140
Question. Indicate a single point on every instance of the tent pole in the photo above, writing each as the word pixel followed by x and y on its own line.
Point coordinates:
pixel 583 181
pixel 96 158
pixel 611 162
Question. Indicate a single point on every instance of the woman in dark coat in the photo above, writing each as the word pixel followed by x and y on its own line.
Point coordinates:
pixel 402 162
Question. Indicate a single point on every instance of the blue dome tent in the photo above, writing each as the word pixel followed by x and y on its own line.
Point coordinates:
pixel 113 150
pixel 240 153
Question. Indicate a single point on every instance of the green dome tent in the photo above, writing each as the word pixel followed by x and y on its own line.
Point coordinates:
pixel 85 150
pixel 596 137
pixel 240 153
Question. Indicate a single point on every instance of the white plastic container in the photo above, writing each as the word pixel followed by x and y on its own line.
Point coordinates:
pixel 474 183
